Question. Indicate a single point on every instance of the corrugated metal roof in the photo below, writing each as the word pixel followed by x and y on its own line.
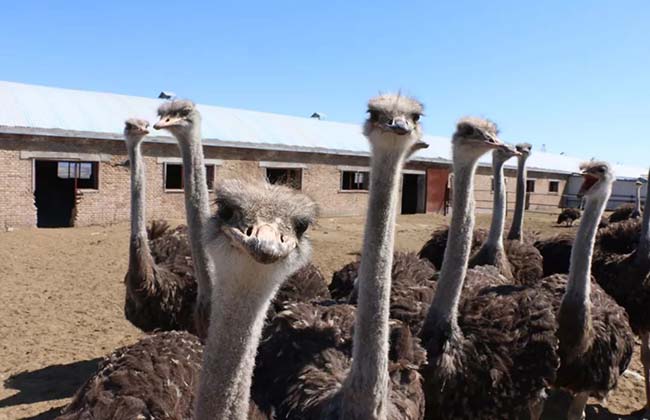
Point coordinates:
pixel 55 111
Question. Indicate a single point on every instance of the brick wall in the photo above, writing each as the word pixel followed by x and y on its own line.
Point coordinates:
pixel 110 202
pixel 16 198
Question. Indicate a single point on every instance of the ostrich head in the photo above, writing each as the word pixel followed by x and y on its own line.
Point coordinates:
pixel 505 152
pixel 180 117
pixel 598 179
pixel 262 227
pixel 524 149
pixel 474 137
pixel 134 130
pixel 393 123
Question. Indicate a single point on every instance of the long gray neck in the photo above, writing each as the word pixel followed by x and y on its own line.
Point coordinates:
pixel 236 321
pixel 637 200
pixel 579 283
pixel 197 208
pixel 138 217
pixel 444 308
pixel 516 229
pixel 494 240
pixel 366 392
pixel 643 249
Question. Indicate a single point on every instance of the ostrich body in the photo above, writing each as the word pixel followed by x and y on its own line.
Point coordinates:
pixel 595 339
pixel 412 287
pixel 159 295
pixel 340 362
pixel 491 354
pixel 434 248
pixel 626 277
pixel 568 216
pixel 556 253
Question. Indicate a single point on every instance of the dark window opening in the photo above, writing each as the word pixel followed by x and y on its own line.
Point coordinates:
pixel 290 177
pixel 54 189
pixel 174 176
pixel 554 186
pixel 355 181
pixel 530 186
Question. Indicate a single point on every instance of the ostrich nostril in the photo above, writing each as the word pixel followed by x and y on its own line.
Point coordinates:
pixel 282 239
pixel 249 231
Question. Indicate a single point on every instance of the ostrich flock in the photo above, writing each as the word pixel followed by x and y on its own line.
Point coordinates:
pixel 240 325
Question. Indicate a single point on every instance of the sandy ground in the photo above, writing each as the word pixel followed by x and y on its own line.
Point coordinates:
pixel 61 300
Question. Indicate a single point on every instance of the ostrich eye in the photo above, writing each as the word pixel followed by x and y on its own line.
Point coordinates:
pixel 300 225
pixel 184 112
pixel 374 115
pixel 225 212
pixel 129 126
pixel 416 117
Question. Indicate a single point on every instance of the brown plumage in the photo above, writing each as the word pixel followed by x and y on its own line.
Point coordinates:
pixel 158 296
pixel 314 343
pixel 607 341
pixel 434 249
pixel 624 212
pixel 305 285
pixel 619 238
pixel 128 384
pixel 568 216
pixel 556 253
pixel 154 378
pixel 526 261
pixel 488 369
pixel 413 286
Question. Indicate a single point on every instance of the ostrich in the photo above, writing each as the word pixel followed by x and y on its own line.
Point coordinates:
pixel 157 376
pixel 515 260
pixel 629 211
pixel 626 277
pixel 516 232
pixel 595 341
pixel 329 373
pixel 556 253
pixel 568 216
pixel 492 353
pixel 158 294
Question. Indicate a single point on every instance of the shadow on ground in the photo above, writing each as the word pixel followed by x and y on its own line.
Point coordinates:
pixel 51 383
pixel 558 403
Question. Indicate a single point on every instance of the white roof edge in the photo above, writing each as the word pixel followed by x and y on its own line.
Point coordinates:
pixel 29 109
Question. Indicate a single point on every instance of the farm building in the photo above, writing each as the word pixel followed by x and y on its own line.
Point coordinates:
pixel 64 162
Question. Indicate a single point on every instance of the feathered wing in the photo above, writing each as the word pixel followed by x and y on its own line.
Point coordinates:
pixel 314 341
pixel 499 369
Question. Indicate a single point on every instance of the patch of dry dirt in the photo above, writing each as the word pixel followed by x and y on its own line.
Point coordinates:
pixel 61 306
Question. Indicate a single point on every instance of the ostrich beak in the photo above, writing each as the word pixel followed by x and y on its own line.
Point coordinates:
pixel 166 121
pixel 262 241
pixel 399 126
pixel 587 183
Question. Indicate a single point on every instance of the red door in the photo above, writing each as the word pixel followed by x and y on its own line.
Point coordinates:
pixel 436 189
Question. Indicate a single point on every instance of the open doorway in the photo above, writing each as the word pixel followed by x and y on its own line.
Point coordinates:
pixel 413 193
pixel 55 185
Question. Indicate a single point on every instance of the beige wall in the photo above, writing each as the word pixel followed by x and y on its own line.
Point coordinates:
pixel 110 202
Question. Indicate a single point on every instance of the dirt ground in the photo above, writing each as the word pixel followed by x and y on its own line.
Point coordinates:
pixel 61 307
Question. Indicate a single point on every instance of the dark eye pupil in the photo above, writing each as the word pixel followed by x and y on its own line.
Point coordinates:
pixel 374 115
pixel 225 212
pixel 416 117
pixel 301 226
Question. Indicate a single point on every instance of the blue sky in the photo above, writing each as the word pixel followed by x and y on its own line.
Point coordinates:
pixel 573 75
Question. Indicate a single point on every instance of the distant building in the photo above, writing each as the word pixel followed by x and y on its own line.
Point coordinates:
pixel 63 160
